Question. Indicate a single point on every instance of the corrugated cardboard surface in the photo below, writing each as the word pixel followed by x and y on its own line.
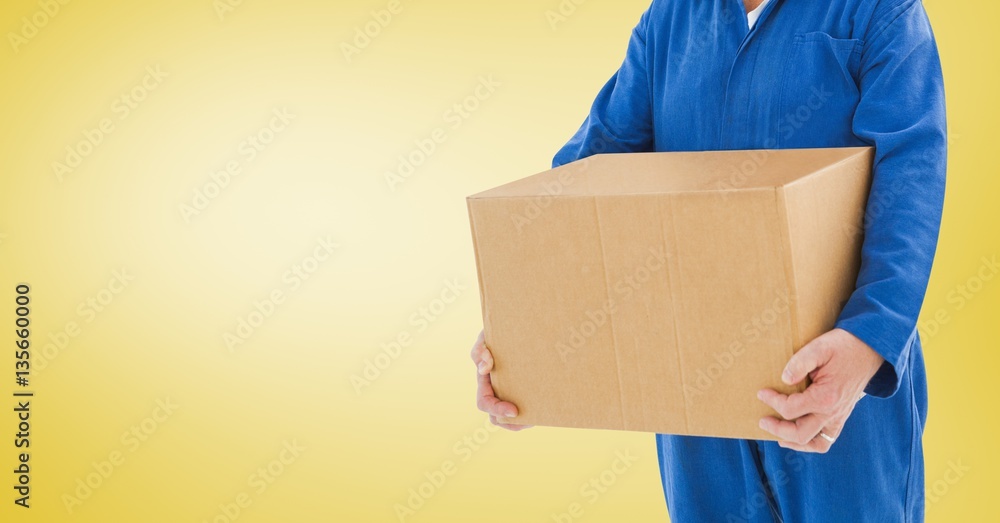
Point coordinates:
pixel 659 291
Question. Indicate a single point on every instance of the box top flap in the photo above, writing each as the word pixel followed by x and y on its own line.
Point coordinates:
pixel 676 172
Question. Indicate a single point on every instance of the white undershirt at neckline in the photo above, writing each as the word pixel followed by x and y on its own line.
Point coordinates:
pixel 752 16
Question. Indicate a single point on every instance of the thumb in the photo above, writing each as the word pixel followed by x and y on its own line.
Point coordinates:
pixel 812 356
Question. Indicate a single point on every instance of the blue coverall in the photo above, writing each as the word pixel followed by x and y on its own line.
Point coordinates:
pixel 810 73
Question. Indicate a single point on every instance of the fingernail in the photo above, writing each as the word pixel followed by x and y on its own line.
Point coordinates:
pixel 787 377
pixel 482 367
pixel 762 425
pixel 760 395
pixel 511 414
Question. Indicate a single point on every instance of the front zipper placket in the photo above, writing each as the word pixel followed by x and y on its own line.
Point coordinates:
pixel 737 100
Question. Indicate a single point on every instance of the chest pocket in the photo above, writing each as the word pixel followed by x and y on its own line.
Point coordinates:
pixel 819 91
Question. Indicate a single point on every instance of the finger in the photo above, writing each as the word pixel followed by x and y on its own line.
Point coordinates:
pixel 819 444
pixel 809 358
pixel 507 426
pixel 793 446
pixel 832 429
pixel 801 431
pixel 812 448
pixel 486 401
pixel 793 406
pixel 482 356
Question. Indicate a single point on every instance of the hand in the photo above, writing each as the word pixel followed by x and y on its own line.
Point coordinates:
pixel 840 366
pixel 485 399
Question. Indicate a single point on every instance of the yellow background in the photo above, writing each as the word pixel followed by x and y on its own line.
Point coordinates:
pixel 161 337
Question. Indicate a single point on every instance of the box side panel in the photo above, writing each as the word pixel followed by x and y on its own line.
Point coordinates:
pixel 637 257
pixel 545 301
pixel 731 299
pixel 825 214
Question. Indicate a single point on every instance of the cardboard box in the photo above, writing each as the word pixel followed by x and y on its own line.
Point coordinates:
pixel 659 292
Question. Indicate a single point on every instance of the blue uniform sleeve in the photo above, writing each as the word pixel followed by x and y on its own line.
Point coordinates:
pixel 902 113
pixel 621 118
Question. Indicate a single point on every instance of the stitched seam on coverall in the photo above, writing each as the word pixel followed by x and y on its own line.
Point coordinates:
pixel 758 462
